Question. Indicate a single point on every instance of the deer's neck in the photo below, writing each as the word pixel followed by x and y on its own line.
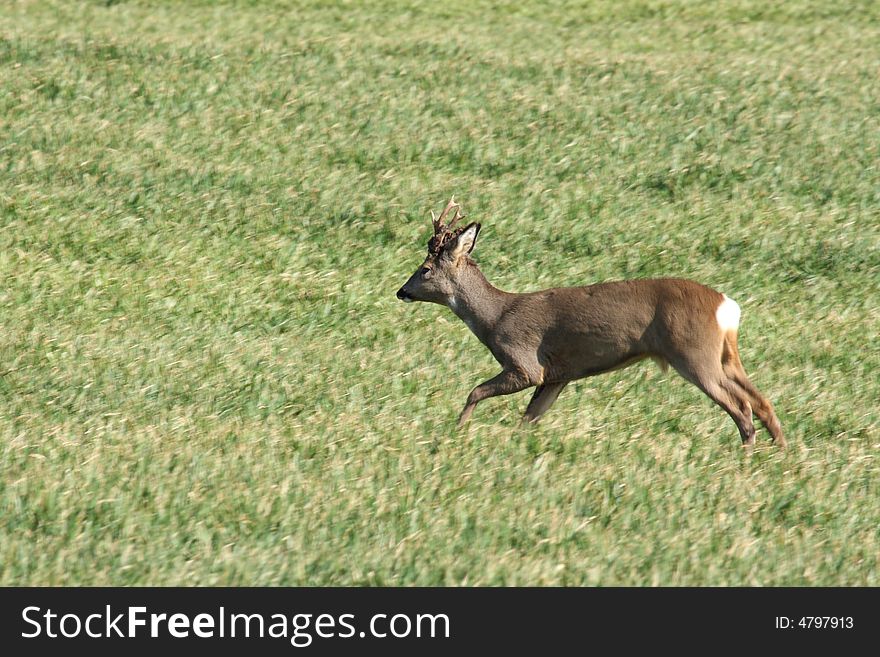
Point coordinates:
pixel 478 303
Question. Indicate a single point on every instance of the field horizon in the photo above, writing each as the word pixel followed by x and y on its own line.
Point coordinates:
pixel 206 211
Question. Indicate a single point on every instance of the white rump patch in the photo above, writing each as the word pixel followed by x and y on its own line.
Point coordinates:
pixel 728 314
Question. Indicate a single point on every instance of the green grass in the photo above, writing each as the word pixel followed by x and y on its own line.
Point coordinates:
pixel 207 208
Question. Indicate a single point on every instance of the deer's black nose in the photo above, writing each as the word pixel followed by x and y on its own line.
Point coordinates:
pixel 403 295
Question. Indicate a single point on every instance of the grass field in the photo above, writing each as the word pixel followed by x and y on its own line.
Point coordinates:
pixel 206 210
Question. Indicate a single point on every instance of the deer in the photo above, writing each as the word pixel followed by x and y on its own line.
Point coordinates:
pixel 549 338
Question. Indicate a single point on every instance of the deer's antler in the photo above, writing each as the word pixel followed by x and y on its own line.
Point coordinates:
pixel 438 221
pixel 443 233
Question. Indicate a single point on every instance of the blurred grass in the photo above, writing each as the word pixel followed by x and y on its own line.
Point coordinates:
pixel 207 208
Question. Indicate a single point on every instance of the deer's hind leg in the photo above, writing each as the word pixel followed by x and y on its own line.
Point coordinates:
pixel 711 379
pixel 736 373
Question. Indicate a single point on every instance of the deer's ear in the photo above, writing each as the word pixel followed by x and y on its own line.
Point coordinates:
pixel 465 242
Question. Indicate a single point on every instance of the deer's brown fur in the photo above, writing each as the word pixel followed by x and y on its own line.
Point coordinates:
pixel 546 339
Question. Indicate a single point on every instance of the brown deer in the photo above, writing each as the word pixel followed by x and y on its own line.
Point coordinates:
pixel 546 339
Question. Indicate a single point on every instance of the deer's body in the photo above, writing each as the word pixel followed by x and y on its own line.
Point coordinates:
pixel 546 339
pixel 563 334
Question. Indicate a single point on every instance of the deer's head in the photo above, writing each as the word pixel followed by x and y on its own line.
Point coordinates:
pixel 437 279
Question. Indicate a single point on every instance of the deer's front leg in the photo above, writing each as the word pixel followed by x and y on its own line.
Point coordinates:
pixel 506 383
pixel 543 399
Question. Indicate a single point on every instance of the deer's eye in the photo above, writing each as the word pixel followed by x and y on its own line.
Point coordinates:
pixel 426 272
